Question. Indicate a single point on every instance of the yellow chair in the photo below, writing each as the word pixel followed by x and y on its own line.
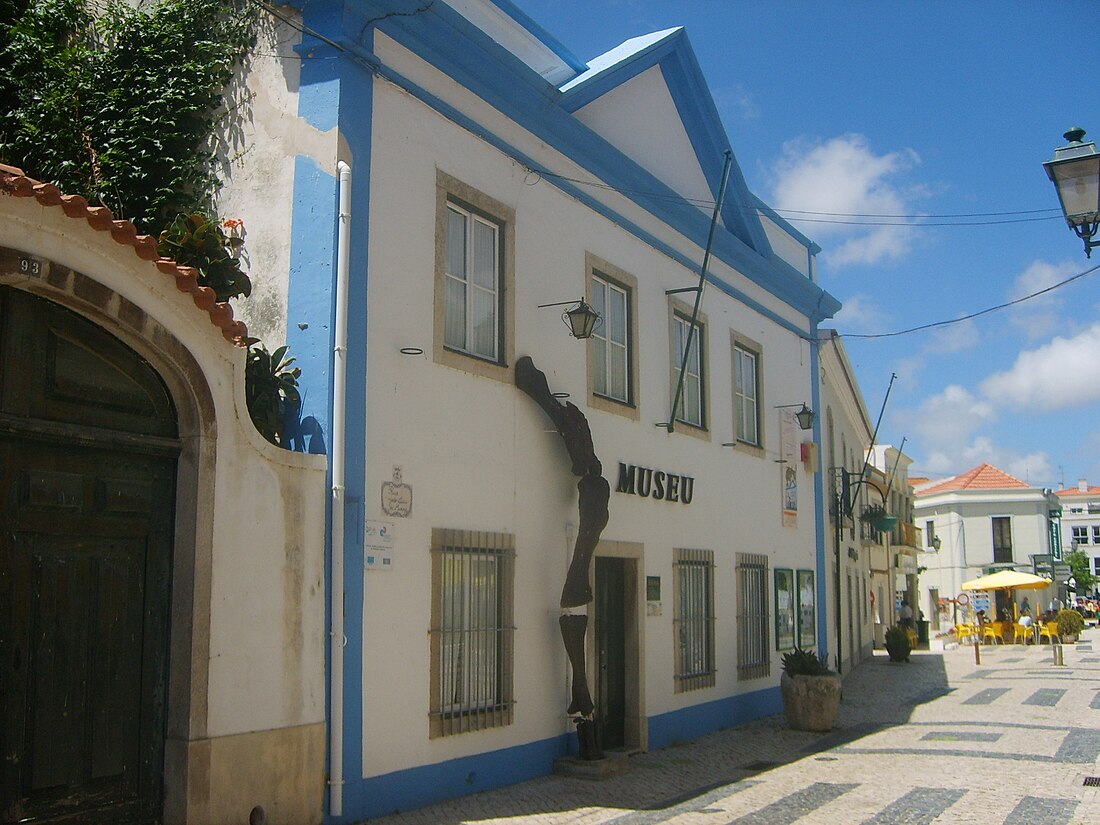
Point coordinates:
pixel 1050 630
pixel 990 632
pixel 966 632
pixel 1021 633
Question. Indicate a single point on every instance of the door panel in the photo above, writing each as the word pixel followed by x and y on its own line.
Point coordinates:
pixel 86 525
pixel 610 639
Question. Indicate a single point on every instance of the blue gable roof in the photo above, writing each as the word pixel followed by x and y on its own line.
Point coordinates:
pixel 671 51
pixel 452 44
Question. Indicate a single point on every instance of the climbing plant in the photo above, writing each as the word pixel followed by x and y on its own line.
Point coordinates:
pixel 121 105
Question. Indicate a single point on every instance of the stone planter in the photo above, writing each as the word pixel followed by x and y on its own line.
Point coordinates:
pixel 811 702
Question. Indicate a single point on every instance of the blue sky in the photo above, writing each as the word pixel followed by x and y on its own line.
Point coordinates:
pixel 921 110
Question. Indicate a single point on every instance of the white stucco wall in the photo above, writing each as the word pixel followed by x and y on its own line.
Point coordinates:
pixel 479 454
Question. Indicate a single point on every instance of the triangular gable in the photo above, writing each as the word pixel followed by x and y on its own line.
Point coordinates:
pixel 671 53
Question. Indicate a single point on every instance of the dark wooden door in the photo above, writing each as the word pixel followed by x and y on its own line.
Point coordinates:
pixel 87 480
pixel 610 639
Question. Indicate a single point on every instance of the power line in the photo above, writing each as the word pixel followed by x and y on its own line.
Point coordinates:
pixel 945 219
pixel 972 315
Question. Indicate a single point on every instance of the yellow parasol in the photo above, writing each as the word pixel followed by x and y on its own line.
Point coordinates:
pixel 1008 580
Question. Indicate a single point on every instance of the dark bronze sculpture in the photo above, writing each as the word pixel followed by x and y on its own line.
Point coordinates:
pixel 595 493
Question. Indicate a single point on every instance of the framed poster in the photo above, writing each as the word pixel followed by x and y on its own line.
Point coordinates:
pixel 807 626
pixel 784 608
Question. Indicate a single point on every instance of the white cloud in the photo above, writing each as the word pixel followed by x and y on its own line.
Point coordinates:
pixel 1042 315
pixel 738 100
pixel 860 313
pixel 954 338
pixel 843 175
pixel 1061 374
pixel 950 418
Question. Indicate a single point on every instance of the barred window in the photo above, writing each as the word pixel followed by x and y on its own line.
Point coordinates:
pixel 694 619
pixel 753 650
pixel 471 631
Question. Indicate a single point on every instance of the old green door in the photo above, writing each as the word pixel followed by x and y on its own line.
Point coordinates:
pixel 610 639
pixel 87 478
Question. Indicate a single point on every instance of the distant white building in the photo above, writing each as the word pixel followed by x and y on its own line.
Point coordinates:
pixel 1081 521
pixel 898 548
pixel 981 521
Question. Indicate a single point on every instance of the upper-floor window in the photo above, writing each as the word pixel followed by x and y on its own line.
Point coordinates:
pixel 930 534
pixel 1096 534
pixel 474 275
pixel 1002 539
pixel 746 394
pixel 692 406
pixel 1081 533
pixel 472 303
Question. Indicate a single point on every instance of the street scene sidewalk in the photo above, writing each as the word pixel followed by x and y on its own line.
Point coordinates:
pixel 1012 741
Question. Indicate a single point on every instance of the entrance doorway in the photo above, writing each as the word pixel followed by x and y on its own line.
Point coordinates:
pixel 88 453
pixel 610 641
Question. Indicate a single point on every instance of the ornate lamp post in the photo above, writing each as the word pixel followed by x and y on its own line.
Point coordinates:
pixel 1075 171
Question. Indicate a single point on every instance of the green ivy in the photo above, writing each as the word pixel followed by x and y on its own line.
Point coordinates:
pixel 121 106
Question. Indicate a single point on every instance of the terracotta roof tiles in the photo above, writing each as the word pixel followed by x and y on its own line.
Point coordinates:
pixel 982 477
pixel 15 183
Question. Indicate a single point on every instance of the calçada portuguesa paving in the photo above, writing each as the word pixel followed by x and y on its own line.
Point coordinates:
pixel 937 740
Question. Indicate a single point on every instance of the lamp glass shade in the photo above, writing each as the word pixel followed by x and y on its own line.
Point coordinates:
pixel 582 320
pixel 1078 185
pixel 805 417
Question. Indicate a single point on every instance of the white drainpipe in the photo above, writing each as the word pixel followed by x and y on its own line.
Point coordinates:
pixel 337 639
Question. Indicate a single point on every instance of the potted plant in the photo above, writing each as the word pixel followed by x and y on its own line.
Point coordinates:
pixel 897 644
pixel 877 517
pixel 1070 625
pixel 811 692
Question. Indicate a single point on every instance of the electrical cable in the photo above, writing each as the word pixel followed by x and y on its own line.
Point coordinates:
pixel 972 315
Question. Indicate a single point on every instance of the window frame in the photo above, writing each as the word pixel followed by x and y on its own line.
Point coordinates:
pixel 1079 530
pixel 599 269
pixel 998 549
pixel 694 632
pixel 680 313
pixel 740 344
pixel 500 548
pixel 452 192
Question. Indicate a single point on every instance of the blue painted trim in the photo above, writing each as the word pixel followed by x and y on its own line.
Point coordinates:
pixel 819 503
pixel 698 720
pixel 446 40
pixel 357 108
pixel 428 784
pixel 541 34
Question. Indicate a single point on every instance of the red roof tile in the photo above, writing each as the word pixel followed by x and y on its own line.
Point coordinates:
pixel 1073 491
pixel 16 184
pixel 982 477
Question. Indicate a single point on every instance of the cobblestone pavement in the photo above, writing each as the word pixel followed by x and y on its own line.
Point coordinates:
pixel 937 740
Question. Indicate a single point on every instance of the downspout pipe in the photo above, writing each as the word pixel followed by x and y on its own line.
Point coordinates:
pixel 337 639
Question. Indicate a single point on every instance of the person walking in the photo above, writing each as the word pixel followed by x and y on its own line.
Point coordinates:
pixel 906 614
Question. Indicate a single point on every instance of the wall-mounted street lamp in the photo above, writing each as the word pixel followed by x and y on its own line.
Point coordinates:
pixel 805 415
pixel 937 543
pixel 1075 171
pixel 581 319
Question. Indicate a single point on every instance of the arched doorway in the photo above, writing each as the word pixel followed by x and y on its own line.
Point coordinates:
pixel 88 451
